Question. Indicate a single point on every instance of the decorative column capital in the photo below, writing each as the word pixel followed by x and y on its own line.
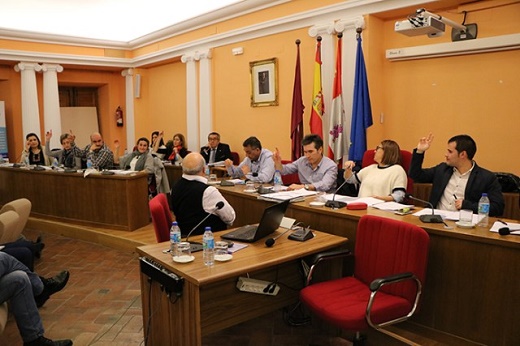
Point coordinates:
pixel 127 72
pixel 27 66
pixel 203 54
pixel 355 22
pixel 52 67
pixel 321 29
pixel 188 57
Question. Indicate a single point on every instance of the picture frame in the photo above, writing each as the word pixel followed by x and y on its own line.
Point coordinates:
pixel 264 82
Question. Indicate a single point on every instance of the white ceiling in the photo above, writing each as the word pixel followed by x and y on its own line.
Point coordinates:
pixel 112 20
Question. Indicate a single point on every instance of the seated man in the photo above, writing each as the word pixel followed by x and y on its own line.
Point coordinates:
pixel 459 182
pixel 192 199
pixel 315 171
pixel 18 286
pixel 97 152
pixel 215 151
pixel 257 166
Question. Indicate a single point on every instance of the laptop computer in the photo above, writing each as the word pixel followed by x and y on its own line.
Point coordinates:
pixel 270 221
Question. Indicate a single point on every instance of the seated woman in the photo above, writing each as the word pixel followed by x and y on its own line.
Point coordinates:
pixel 157 144
pixel 176 150
pixel 385 179
pixel 138 160
pixel 33 154
pixel 65 156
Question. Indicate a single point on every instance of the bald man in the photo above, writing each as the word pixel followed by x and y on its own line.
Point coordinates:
pixel 193 199
pixel 100 155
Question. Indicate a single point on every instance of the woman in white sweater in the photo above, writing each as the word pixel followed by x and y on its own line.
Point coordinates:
pixel 386 179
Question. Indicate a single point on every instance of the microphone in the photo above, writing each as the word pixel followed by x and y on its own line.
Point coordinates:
pixel 198 246
pixel 270 241
pixel 427 218
pixel 336 204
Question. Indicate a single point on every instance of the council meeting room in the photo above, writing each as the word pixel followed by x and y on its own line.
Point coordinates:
pixel 259 172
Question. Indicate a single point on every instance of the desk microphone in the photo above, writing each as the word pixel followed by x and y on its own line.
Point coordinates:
pixel 270 241
pixel 336 204
pixel 198 246
pixel 427 218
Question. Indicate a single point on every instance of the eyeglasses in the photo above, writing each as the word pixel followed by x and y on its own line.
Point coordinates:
pixel 379 147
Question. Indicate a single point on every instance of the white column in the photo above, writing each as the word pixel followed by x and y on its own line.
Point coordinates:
pixel 130 119
pixel 30 112
pixel 205 101
pixel 51 103
pixel 328 66
pixel 192 109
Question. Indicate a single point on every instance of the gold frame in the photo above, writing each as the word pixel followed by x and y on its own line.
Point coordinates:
pixel 264 82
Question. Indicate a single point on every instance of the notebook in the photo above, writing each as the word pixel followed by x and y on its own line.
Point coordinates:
pixel 270 221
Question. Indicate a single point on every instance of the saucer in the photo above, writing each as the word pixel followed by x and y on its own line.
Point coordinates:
pixel 250 190
pixel 316 204
pixel 183 259
pixel 464 225
pixel 223 258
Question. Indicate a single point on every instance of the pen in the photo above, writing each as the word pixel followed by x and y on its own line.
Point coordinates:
pixel 503 222
pixel 455 196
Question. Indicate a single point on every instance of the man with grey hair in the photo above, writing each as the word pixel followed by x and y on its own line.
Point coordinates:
pixel 192 199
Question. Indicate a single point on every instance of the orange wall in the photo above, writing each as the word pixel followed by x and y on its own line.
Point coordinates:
pixel 474 94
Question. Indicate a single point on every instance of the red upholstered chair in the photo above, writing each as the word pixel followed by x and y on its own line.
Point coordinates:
pixel 235 158
pixel 161 217
pixel 406 159
pixel 390 266
pixel 292 178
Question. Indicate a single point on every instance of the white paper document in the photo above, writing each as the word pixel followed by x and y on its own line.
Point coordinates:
pixel 285 195
pixel 370 201
pixel 514 228
pixel 446 214
pixel 391 206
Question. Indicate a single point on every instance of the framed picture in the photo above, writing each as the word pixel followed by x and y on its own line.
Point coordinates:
pixel 264 82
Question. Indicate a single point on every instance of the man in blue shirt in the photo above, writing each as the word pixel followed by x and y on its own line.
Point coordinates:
pixel 257 166
pixel 315 171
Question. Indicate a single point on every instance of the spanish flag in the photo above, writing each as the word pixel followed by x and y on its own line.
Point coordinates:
pixel 318 107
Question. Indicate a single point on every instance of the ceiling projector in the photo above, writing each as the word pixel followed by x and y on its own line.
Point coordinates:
pixel 430 26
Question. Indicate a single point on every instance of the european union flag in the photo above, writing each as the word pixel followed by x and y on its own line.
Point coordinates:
pixel 361 109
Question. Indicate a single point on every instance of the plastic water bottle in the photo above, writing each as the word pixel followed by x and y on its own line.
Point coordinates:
pixel 175 237
pixel 55 163
pixel 89 163
pixel 483 210
pixel 207 171
pixel 27 161
pixel 277 180
pixel 208 247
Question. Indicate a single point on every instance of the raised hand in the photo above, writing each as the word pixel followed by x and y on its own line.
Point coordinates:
pixel 424 143
pixel 48 135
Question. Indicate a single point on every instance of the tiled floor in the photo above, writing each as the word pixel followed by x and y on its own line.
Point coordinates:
pixel 101 304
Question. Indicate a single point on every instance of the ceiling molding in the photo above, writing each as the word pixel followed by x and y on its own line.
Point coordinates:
pixel 306 19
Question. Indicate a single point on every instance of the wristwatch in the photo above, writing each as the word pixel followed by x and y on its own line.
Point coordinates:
pixel 306 187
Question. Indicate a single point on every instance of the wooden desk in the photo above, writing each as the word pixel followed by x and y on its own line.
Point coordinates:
pixel 511 209
pixel 112 201
pixel 472 282
pixel 174 173
pixel 210 300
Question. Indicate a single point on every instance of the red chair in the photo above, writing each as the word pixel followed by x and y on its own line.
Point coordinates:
pixel 235 158
pixel 161 217
pixel 292 178
pixel 389 269
pixel 406 159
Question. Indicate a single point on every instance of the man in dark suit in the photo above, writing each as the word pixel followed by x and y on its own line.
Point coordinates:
pixel 215 151
pixel 457 183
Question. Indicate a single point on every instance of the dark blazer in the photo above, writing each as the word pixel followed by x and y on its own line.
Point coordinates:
pixel 223 152
pixel 169 151
pixel 480 181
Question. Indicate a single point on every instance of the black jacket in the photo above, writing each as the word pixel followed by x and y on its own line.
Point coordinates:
pixel 223 152
pixel 480 181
